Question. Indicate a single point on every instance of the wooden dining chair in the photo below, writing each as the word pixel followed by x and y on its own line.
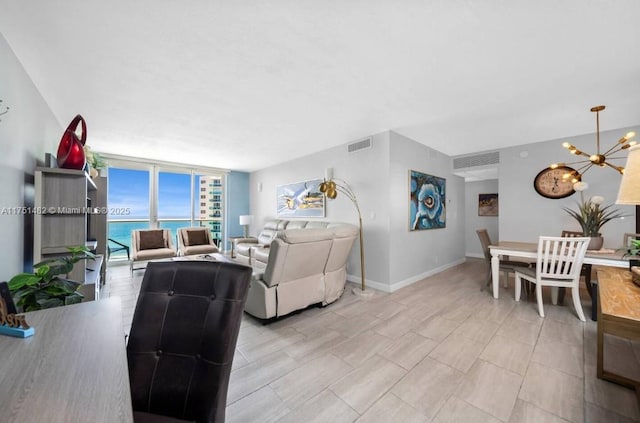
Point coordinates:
pixel 558 265
pixel 506 265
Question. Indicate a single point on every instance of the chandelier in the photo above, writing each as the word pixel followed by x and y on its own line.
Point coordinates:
pixel 599 158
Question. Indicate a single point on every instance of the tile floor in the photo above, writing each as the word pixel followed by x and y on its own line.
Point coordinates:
pixel 440 350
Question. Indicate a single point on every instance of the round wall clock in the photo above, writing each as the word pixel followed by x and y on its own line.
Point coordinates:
pixel 549 182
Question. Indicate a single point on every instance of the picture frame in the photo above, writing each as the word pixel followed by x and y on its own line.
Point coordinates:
pixel 427 201
pixel 300 199
pixel 488 204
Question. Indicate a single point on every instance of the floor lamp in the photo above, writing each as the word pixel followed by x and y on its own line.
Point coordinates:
pixel 330 187
pixel 630 185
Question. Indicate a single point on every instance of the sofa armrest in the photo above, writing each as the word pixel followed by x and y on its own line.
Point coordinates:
pixel 248 240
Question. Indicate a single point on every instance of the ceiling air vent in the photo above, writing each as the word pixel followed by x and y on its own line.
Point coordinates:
pixel 476 160
pixel 359 145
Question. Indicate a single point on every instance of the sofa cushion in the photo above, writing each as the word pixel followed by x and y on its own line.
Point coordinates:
pixel 151 240
pixel 260 254
pixel 196 237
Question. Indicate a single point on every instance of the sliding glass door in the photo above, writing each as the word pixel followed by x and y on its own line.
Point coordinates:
pixel 162 197
pixel 129 208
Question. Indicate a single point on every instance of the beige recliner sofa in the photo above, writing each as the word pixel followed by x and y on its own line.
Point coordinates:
pixel 304 266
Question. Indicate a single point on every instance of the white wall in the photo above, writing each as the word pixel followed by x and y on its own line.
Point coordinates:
pixel 414 255
pixel 366 171
pixel 27 132
pixel 474 222
pixel 524 214
pixel 394 256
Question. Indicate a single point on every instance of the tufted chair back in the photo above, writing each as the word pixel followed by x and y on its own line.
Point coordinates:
pixel 183 337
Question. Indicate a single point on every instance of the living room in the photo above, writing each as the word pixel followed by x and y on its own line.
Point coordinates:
pixel 396 257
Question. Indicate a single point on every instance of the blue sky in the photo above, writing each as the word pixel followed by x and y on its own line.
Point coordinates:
pixel 129 189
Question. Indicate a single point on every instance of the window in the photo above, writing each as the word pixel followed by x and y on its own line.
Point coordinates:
pixel 160 197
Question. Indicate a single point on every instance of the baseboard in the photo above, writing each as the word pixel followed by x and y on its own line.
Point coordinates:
pixel 475 255
pixel 404 283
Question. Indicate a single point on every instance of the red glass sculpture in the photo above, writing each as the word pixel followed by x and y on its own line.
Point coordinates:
pixel 71 148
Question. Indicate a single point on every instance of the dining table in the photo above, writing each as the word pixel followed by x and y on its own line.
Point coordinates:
pixel 529 250
pixel 73 368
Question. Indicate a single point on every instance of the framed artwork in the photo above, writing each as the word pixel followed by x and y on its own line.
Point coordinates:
pixel 300 199
pixel 487 204
pixel 427 208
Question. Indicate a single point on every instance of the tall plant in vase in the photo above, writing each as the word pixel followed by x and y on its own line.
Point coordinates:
pixel 592 215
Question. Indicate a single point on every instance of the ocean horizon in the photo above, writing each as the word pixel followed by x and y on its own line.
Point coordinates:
pixel 121 232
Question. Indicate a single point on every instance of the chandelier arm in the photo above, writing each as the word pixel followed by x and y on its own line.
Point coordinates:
pixel 617 151
pixel 582 153
pixel 613 150
pixel 613 167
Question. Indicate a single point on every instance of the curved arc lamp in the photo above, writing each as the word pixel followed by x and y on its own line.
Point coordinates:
pixel 330 187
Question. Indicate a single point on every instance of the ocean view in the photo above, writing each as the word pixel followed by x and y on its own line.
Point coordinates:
pixel 121 232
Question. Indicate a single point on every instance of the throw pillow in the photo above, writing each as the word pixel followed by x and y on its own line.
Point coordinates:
pixel 150 240
pixel 197 237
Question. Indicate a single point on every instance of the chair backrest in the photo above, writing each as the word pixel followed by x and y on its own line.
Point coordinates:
pixel 627 239
pixel 194 236
pixel 183 337
pixel 485 241
pixel 136 235
pixel 270 231
pixel 561 257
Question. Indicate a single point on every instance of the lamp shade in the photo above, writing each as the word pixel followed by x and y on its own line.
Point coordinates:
pixel 245 219
pixel 630 185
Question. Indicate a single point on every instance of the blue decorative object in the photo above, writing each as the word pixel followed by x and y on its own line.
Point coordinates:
pixel 16 332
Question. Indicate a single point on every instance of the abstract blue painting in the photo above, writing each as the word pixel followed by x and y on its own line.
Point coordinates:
pixel 427 209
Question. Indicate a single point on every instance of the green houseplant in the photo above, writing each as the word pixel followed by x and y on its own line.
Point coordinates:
pixel 591 214
pixel 45 288
pixel 634 248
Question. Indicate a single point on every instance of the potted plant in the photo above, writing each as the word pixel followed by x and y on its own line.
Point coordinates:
pixel 591 215
pixel 45 288
pixel 634 248
pixel 95 161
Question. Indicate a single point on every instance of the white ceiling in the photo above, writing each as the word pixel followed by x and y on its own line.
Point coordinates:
pixel 249 84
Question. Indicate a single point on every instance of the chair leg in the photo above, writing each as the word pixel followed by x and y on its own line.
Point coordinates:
pixel 506 279
pixel 576 303
pixel 554 295
pixel 488 284
pixel 539 298
pixel 518 286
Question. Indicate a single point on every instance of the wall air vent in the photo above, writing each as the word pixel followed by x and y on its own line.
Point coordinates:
pixel 476 160
pixel 359 145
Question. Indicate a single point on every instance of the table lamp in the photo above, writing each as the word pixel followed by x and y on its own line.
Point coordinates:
pixel 629 192
pixel 245 221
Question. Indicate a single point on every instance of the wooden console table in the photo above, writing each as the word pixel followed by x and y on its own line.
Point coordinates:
pixel 73 369
pixel 619 315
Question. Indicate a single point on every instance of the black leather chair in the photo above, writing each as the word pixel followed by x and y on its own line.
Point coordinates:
pixel 183 337
pixel 119 247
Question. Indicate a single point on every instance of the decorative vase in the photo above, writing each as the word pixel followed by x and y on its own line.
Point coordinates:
pixel 71 148
pixel 595 243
